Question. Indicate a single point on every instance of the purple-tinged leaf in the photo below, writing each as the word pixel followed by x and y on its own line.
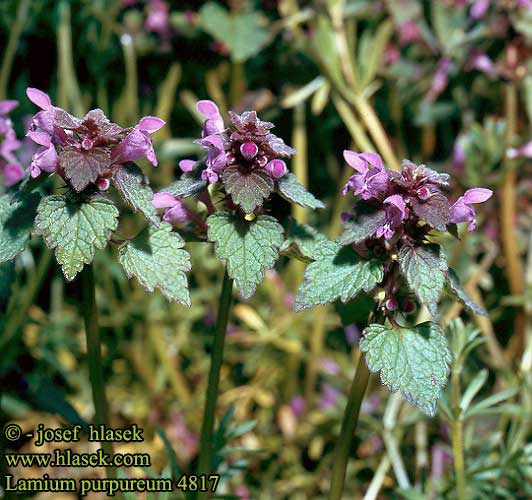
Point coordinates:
pixel 83 167
pixel 455 286
pixel 292 190
pixel 363 224
pixel 247 189
pixel 435 211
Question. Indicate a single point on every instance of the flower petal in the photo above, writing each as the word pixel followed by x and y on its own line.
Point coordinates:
pixel 164 200
pixel 7 106
pixel 151 124
pixel 354 160
pixel 39 98
pixel 187 165
pixel 477 195
pixel 208 108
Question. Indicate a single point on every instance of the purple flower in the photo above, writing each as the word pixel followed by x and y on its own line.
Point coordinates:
pixel 396 212
pixel 88 150
pixel 158 19
pixel 371 181
pixel 12 173
pixel 440 79
pixel 409 32
pixel 329 396
pixel 479 9
pixel 298 406
pixel 479 61
pixel 176 211
pixel 138 143
pixel 463 211
pixel 352 334
pixel 247 145
pixel 525 151
pixel 329 366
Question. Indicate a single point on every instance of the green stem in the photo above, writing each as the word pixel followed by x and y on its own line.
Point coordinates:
pixel 92 333
pixel 352 410
pixel 457 434
pixel 224 306
pixel 11 48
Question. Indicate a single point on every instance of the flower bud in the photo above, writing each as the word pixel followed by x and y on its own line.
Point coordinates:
pixel 392 304
pixel 276 168
pixel 262 161
pixel 87 143
pixel 249 150
pixel 103 184
pixel 408 306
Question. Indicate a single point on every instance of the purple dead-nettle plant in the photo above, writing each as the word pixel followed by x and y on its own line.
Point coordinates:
pixel 243 169
pixel 388 249
pixel 88 156
pixel 244 166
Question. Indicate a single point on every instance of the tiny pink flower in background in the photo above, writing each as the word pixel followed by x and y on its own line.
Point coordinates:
pixel 352 334
pixel 176 211
pixel 479 61
pixel 440 79
pixel 10 168
pixel 409 32
pixel 479 9
pixel 329 396
pixel 12 173
pixel 298 406
pixel 329 366
pixel 525 151
pixel 242 492
pixel 463 211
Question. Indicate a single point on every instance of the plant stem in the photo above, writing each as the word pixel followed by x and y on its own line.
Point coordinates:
pixel 343 445
pixel 224 306
pixel 457 433
pixel 11 48
pixel 92 333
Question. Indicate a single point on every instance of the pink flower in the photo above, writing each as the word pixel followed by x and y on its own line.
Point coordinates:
pixel 524 151
pixel 463 211
pixel 138 143
pixel 176 211
pixel 479 61
pixel 396 212
pixel 187 165
pixel 12 173
pixel 409 32
pixel 440 79
pixel 479 9
pixel 371 181
pixel 45 159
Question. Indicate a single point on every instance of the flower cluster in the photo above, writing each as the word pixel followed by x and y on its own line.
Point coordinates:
pixel 407 197
pixel 85 151
pixel 248 144
pixel 10 168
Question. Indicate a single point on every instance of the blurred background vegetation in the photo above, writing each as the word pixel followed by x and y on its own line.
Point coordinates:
pixel 440 82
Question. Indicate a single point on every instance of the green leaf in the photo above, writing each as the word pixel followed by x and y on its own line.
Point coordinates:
pixel 157 259
pixel 424 268
pixel 16 222
pixel 454 285
pixel 371 54
pixel 243 34
pixel 249 248
pixel 133 185
pixel 247 189
pixel 75 228
pixel 338 272
pixel 83 167
pixel 301 241
pixel 187 185
pixel 362 225
pixel 292 190
pixel 412 360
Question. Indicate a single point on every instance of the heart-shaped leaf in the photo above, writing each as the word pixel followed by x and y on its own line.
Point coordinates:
pixel 134 187
pixel 247 189
pixel 75 228
pixel 157 259
pixel 412 360
pixel 292 190
pixel 83 167
pixel 337 273
pixel 425 269
pixel 249 247
pixel 301 241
